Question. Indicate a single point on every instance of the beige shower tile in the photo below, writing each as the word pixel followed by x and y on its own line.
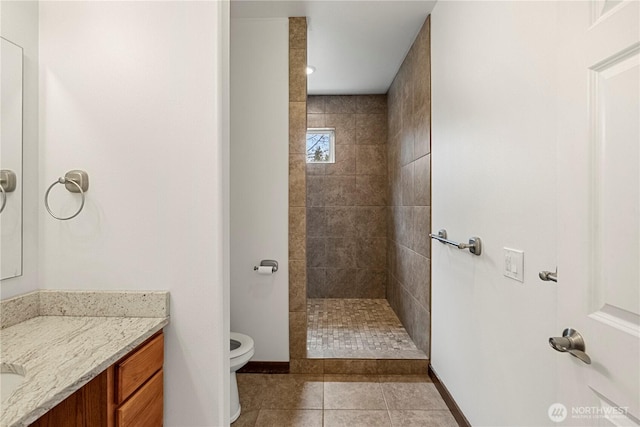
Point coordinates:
pixel 297 247
pixel 369 104
pixel 315 121
pixel 371 190
pixel 316 279
pixel 406 130
pixel 297 227
pixel 407 177
pixel 422 133
pixel 394 109
pixel 421 81
pixel 421 230
pixel 371 129
pixel 371 252
pixel 316 252
pixel 341 221
pixel 393 153
pixel 316 190
pixel 316 221
pixel 315 104
pixel 339 283
pixel 337 104
pixel 345 126
pixel 419 281
pixel 403 224
pixel 371 160
pixel 297 285
pixel 297 220
pixel 345 161
pixel 395 186
pixel 316 169
pixel 422 176
pixel 297 180
pixel 340 253
pixel 298 335
pixel 371 221
pixel 297 127
pixel 339 190
pixel 371 283
pixel 297 33
pixel 297 75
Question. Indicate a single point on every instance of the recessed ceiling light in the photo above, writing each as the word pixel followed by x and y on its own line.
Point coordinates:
pixel 310 69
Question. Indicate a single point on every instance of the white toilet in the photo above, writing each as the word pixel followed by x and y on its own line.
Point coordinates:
pixel 241 351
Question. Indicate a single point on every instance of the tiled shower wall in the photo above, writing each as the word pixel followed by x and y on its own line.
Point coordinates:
pixel 347 200
pixel 297 198
pixel 409 149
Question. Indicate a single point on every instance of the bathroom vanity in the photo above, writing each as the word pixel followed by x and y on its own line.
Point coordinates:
pixel 86 358
pixel 128 393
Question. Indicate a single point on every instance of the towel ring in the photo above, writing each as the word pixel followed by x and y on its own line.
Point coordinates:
pixel 71 177
pixel 4 198
pixel 7 185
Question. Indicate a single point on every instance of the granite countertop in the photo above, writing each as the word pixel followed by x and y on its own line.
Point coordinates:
pixel 61 353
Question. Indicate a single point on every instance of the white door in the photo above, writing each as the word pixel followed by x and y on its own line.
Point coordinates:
pixel 599 211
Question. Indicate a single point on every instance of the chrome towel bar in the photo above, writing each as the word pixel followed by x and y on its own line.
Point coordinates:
pixel 474 245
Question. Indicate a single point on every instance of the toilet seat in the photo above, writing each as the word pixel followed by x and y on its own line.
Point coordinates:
pixel 246 344
pixel 242 354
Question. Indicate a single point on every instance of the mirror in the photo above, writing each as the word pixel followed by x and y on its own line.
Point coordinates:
pixel 10 159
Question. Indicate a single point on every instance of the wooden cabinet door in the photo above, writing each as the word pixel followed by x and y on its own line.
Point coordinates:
pixel 85 407
pixel 145 407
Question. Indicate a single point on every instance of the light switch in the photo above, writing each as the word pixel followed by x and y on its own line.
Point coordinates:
pixel 514 264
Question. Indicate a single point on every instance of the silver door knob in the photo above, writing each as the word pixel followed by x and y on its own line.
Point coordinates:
pixel 570 342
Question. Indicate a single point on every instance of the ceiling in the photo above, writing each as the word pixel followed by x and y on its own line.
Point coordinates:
pixel 356 47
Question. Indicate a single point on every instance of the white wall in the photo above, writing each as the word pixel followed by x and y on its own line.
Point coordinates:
pixel 259 182
pixel 493 174
pixel 132 92
pixel 19 24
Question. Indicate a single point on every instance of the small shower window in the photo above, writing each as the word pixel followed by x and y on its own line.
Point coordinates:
pixel 321 145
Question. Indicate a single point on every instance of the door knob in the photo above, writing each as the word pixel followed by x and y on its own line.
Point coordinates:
pixel 570 342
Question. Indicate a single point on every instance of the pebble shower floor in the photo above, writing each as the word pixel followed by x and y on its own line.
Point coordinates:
pixel 356 328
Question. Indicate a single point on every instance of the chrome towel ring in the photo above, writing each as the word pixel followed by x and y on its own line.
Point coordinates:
pixel 76 181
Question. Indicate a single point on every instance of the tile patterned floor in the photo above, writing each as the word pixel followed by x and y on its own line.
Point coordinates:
pixel 357 328
pixel 289 400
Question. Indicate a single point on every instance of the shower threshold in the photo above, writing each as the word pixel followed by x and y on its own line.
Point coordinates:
pixel 357 329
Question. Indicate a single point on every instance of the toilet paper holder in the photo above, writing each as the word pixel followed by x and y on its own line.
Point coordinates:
pixel 268 263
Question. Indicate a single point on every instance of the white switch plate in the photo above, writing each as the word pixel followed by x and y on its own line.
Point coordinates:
pixel 514 264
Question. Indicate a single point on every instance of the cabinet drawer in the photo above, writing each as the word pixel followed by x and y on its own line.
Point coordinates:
pixel 145 407
pixel 137 368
